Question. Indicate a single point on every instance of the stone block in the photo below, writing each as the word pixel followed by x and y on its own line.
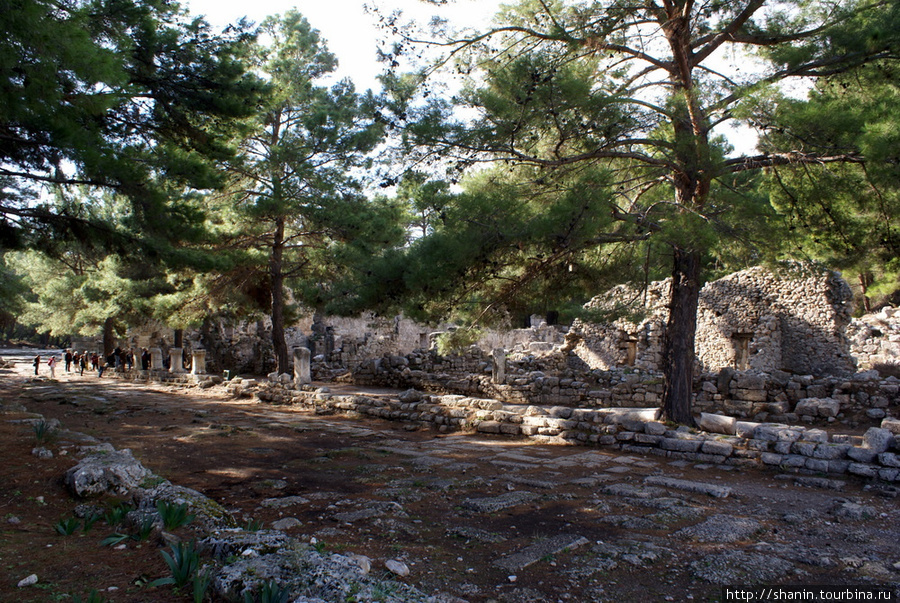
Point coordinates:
pixel 804 448
pixel 509 428
pixel 861 455
pixel 862 469
pixel 817 465
pixel 891 424
pixel 646 438
pixel 716 447
pixel 889 459
pixel 839 466
pixel 745 429
pixel 750 395
pixel 830 452
pixel 770 458
pixel 793 460
pixel 889 475
pixel 654 428
pixel 488 427
pixel 680 445
pixel 877 439
pixel 717 423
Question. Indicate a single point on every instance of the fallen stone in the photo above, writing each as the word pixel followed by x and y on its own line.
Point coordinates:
pixel 738 567
pixel 720 529
pixel 281 503
pixel 29 581
pixel 498 503
pixel 105 470
pixel 535 552
pixel 286 524
pixel 397 567
pixel 877 439
pixel 689 486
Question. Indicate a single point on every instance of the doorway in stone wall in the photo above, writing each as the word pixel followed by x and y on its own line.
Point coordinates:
pixel 741 343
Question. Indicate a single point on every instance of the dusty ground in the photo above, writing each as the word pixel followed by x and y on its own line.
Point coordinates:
pixel 464 505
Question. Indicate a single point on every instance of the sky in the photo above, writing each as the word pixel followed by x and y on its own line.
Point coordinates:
pixel 349 32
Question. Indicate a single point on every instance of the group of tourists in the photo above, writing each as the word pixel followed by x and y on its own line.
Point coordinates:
pixel 76 361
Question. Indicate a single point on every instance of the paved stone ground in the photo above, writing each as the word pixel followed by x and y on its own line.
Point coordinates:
pixel 483 518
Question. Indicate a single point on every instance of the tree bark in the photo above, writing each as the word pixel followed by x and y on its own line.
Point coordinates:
pixel 681 328
pixel 276 271
pixel 109 337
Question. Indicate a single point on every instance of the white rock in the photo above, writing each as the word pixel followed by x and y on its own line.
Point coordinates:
pixel 29 581
pixel 397 567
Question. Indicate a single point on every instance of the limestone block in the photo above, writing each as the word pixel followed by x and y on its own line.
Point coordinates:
pixel 892 425
pixel 770 458
pixel 106 471
pixel 489 427
pixel 776 432
pixel 717 423
pixel 717 447
pixel 877 439
pixel 750 395
pixel 745 429
pixel 680 445
pixel 889 459
pixel 862 455
pixel 831 452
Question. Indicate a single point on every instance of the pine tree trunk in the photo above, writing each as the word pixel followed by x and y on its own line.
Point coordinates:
pixel 279 344
pixel 681 328
pixel 109 337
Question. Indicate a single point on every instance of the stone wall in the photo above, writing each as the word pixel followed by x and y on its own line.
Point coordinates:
pixel 875 340
pixel 753 319
pixel 724 441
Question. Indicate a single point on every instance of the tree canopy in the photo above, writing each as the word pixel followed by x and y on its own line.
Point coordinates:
pixel 131 96
pixel 637 92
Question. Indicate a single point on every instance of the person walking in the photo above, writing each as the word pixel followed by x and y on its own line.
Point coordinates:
pixel 52 364
pixel 84 362
pixel 68 358
pixel 37 363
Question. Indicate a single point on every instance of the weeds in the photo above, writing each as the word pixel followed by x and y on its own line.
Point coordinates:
pixel 174 515
pixel 253 525
pixel 44 432
pixel 117 513
pixel 269 592
pixel 67 527
pixel 201 582
pixel 183 564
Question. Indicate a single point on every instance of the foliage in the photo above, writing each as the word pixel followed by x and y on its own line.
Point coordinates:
pixel 183 564
pixel 847 214
pixel 130 96
pixel 67 527
pixel 93 597
pixel 295 206
pixel 174 515
pixel 456 340
pixel 44 432
pixel 631 101
pixel 268 592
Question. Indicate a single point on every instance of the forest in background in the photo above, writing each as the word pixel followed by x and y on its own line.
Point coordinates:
pixel 155 169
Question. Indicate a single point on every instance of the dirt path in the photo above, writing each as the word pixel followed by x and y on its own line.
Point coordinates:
pixel 481 518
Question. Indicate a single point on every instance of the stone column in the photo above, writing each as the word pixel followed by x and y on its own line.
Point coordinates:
pixel 175 360
pixel 302 371
pixel 498 368
pixel 156 363
pixel 198 365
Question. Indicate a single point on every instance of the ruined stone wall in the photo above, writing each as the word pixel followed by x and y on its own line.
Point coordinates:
pixel 875 341
pixel 753 319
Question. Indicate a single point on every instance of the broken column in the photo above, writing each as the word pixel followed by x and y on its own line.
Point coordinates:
pixel 498 368
pixel 302 371
pixel 156 359
pixel 198 364
pixel 175 360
